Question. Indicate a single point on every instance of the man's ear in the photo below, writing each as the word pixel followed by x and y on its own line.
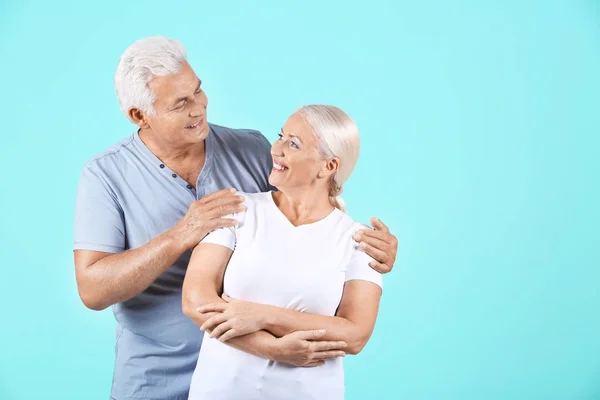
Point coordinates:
pixel 138 117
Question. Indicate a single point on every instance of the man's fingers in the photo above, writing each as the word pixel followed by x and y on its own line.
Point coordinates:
pixel 309 335
pixel 221 329
pixel 375 243
pixel 212 307
pixel 378 225
pixel 378 255
pixel 221 223
pixel 216 195
pixel 313 364
pixel 379 267
pixel 212 322
pixel 326 346
pixel 221 211
pixel 224 201
pixel 230 334
pixel 361 233
pixel 325 355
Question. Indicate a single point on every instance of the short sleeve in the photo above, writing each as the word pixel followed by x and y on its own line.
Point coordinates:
pixel 226 236
pixel 222 236
pixel 358 268
pixel 99 224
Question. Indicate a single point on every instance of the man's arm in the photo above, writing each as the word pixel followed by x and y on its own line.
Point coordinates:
pixel 203 284
pixel 104 279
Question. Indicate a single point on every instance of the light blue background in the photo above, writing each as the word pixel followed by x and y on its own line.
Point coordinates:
pixel 480 150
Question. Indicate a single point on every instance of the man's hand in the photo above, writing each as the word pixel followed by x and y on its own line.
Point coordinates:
pixel 205 215
pixel 380 244
pixel 234 318
pixel 303 349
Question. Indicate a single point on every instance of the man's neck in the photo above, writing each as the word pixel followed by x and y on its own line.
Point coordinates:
pixel 171 153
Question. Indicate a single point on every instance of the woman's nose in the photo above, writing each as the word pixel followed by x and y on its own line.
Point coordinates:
pixel 276 149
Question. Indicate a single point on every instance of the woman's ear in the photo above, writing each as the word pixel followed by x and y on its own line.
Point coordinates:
pixel 331 167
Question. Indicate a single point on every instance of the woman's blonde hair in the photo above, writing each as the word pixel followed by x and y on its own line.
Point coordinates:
pixel 338 137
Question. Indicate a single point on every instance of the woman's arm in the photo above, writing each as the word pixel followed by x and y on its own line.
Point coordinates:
pixel 353 323
pixel 203 284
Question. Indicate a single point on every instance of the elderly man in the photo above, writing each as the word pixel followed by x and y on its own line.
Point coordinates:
pixel 146 202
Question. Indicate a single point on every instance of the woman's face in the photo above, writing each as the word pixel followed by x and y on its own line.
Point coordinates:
pixel 296 159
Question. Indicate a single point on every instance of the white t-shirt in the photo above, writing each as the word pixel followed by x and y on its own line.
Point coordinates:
pixel 301 268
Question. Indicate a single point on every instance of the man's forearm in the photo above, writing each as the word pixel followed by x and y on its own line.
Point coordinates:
pixel 119 277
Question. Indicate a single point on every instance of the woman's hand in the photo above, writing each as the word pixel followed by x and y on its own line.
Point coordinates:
pixel 234 318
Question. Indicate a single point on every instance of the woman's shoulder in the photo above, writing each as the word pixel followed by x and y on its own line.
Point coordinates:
pixel 349 225
pixel 255 198
pixel 256 203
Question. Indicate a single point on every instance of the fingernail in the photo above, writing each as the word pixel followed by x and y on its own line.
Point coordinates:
pixel 372 264
pixel 357 236
pixel 363 245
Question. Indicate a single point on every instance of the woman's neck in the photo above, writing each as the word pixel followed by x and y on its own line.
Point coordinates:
pixel 303 206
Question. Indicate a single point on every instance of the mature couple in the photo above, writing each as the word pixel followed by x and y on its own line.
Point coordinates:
pixel 187 226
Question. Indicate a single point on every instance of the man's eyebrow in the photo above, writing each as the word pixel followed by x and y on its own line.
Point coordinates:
pixel 186 97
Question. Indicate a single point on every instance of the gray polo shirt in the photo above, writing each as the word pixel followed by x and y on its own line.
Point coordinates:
pixel 126 197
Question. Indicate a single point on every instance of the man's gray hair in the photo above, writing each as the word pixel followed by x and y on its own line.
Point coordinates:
pixel 338 137
pixel 141 61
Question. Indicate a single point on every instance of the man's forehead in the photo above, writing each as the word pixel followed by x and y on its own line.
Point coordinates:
pixel 174 85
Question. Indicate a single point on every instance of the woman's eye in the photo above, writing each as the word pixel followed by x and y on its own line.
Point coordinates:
pixel 294 145
pixel 280 136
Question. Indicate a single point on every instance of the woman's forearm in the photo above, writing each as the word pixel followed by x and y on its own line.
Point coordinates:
pixel 260 343
pixel 282 321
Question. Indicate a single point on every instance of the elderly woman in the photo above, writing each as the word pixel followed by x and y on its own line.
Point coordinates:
pixel 290 265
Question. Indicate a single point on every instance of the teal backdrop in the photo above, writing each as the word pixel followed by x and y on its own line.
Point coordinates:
pixel 480 148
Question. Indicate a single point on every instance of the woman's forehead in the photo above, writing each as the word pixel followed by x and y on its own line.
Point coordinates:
pixel 297 126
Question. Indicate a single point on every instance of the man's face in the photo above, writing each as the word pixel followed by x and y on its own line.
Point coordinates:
pixel 180 107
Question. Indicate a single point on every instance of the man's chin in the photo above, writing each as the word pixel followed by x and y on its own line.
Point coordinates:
pixel 199 133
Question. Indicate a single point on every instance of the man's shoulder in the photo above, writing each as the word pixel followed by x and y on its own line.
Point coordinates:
pixel 111 156
pixel 240 138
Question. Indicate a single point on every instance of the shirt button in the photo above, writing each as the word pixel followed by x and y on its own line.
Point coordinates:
pixel 190 186
pixel 174 176
pixel 162 165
